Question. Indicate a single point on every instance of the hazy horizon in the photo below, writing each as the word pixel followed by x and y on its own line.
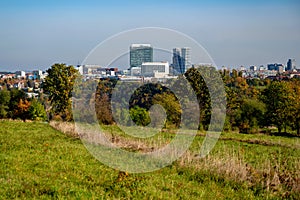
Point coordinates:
pixel 37 34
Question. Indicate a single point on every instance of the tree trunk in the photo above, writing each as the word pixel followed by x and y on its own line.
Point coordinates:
pixel 279 129
pixel 285 128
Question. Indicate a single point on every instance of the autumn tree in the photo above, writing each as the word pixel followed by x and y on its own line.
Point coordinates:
pixel 21 111
pixel 59 85
pixel 15 97
pixel 103 101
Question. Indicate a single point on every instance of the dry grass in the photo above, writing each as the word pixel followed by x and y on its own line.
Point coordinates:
pixel 135 144
pixel 230 165
pixel 272 178
pixel 275 178
pixel 67 128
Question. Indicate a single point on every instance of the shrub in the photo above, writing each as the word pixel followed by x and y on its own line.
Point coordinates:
pixel 36 111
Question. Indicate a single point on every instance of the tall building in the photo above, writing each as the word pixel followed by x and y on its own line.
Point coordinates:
pixel 291 65
pixel 181 60
pixel 140 53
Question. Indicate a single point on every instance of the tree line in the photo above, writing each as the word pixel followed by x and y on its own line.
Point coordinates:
pixel 15 105
pixel 253 105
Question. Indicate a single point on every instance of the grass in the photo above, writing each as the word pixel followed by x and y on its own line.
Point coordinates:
pixel 39 162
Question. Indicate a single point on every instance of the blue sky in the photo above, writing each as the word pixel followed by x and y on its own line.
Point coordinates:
pixel 36 34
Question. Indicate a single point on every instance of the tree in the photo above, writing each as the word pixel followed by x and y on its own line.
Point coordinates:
pixel 103 109
pixel 278 99
pixel 172 107
pixel 21 111
pixel 250 115
pixel 36 111
pixel 4 102
pixel 59 85
pixel 140 116
pixel 195 78
pixel 103 101
pixel 295 117
pixel 15 97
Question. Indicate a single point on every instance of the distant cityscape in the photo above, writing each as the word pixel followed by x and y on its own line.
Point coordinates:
pixel 144 68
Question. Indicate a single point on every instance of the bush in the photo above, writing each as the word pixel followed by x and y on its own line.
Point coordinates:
pixel 140 116
pixel 36 111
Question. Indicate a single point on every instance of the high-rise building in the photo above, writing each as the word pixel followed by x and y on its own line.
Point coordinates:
pixel 181 60
pixel 291 65
pixel 140 53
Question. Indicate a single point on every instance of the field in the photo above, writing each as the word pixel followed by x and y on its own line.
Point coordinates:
pixel 39 162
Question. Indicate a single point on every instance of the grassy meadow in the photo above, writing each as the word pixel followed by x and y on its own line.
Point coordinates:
pixel 40 162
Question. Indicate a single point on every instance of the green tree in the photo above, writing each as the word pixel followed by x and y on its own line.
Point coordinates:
pixel 140 116
pixel 172 107
pixel 295 116
pixel 4 103
pixel 195 78
pixel 59 85
pixel 36 111
pixel 251 115
pixel 278 99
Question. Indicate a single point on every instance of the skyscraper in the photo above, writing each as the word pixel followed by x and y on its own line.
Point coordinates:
pixel 291 65
pixel 140 53
pixel 181 60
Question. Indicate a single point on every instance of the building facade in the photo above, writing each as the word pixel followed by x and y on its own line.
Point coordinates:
pixel 253 68
pixel 291 65
pixel 155 69
pixel 140 53
pixel 20 74
pixel 135 71
pixel 37 74
pixel 276 67
pixel 181 60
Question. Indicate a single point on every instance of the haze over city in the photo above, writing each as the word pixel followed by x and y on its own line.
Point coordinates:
pixel 36 34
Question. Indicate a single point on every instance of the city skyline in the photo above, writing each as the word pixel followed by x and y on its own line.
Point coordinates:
pixel 37 34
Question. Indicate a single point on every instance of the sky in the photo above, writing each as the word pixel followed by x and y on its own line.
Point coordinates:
pixel 36 34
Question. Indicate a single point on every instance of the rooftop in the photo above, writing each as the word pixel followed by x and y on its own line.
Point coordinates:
pixel 140 45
